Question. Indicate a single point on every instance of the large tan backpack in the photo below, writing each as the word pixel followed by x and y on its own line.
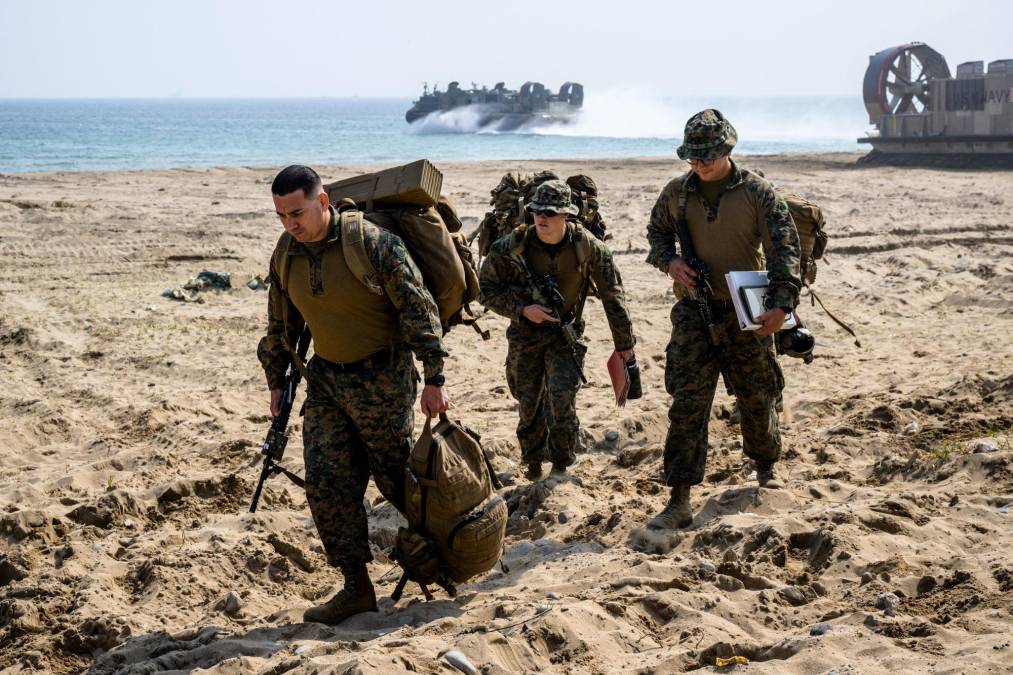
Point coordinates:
pixel 456 520
pixel 443 256
pixel 811 225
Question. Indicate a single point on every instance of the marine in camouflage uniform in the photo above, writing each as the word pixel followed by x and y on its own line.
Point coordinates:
pixel 736 222
pixel 546 269
pixel 361 381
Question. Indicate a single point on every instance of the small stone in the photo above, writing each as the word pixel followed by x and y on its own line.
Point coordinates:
pixel 866 578
pixel 542 608
pixel 553 596
pixel 985 447
pixel 888 602
pixel 707 566
pixel 460 661
pixel 563 517
pixel 793 595
pixel 926 584
pixel 911 429
pixel 615 608
pixel 230 604
pixel 611 436
pixel 728 584
pixel 818 588
pixel 730 555
pixel 819 629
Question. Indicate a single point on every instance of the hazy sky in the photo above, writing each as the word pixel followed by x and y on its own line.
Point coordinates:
pixel 311 48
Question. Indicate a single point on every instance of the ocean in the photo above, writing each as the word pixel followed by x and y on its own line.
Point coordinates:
pixel 98 135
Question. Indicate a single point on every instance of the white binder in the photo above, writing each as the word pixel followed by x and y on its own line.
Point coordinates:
pixel 748 291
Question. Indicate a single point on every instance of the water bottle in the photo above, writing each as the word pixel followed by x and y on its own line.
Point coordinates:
pixel 633 370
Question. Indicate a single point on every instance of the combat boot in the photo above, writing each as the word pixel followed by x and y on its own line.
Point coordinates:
pixel 356 597
pixel 677 514
pixel 534 471
pixel 766 476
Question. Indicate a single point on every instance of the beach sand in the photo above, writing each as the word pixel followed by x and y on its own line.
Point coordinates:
pixel 131 428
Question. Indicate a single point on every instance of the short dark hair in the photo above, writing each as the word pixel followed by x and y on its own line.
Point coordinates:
pixel 296 177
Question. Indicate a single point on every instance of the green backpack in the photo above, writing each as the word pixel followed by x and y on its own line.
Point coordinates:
pixel 456 519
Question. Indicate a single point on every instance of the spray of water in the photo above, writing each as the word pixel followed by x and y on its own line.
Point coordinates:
pixel 636 113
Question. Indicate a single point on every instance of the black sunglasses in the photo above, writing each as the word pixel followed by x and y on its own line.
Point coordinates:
pixel 545 213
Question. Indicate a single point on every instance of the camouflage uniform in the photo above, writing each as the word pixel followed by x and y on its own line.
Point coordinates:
pixel 692 363
pixel 541 370
pixel 358 416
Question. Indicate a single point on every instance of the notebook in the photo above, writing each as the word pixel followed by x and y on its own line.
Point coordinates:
pixel 749 291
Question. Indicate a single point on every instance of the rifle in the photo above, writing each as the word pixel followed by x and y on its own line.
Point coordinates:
pixel 277 436
pixel 702 293
pixel 549 290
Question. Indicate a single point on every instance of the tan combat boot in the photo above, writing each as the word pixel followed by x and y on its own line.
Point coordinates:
pixel 766 476
pixel 356 597
pixel 677 514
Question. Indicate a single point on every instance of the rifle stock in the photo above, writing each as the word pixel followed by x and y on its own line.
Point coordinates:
pixel 277 436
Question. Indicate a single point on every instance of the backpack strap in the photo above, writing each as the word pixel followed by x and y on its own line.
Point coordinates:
pixel 582 248
pixel 682 228
pixel 284 266
pixel 353 245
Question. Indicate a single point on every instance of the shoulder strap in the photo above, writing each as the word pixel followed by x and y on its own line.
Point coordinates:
pixel 582 248
pixel 353 246
pixel 681 226
pixel 285 263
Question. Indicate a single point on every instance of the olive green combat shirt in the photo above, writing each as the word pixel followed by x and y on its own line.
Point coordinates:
pixel 747 226
pixel 347 321
pixel 507 288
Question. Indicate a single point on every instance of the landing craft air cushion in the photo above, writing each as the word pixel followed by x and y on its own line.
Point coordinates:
pixel 501 108
pixel 925 116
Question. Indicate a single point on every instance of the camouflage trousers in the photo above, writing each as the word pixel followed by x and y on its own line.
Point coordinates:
pixel 356 424
pixel 544 378
pixel 692 370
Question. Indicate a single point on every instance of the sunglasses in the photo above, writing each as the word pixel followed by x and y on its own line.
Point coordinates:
pixel 702 162
pixel 545 213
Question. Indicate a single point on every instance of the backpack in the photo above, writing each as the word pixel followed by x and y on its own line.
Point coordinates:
pixel 444 258
pixel 507 201
pixel 812 234
pixel 585 197
pixel 456 520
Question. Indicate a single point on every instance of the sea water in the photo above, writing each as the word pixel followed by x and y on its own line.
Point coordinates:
pixel 90 135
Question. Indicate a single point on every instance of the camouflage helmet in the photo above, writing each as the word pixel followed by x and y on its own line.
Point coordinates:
pixel 552 195
pixel 708 135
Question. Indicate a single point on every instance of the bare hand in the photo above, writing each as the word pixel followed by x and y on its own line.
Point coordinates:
pixel 627 355
pixel 772 321
pixel 275 402
pixel 681 272
pixel 434 400
pixel 539 314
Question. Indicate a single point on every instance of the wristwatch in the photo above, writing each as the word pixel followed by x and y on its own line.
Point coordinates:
pixel 437 380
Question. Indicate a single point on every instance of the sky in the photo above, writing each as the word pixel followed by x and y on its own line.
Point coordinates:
pixel 381 48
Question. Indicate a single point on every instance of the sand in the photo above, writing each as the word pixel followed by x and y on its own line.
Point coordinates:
pixel 131 425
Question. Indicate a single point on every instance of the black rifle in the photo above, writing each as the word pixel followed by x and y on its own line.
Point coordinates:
pixel 548 289
pixel 277 435
pixel 701 293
